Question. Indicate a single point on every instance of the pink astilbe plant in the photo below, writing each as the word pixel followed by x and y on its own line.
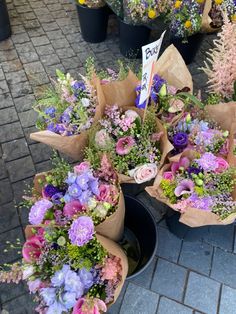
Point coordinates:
pixel 221 63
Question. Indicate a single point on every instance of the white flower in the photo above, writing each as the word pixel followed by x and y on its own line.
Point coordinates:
pixel 28 271
pixel 144 173
pixel 85 102
pixel 132 114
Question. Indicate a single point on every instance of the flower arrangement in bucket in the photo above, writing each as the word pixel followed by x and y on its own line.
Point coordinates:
pixel 69 269
pixel 66 112
pixel 135 146
pixel 92 3
pixel 65 193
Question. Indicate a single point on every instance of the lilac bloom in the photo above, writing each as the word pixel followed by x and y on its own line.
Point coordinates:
pixel 38 211
pixel 81 231
pixel 184 187
pixel 59 277
pixel 86 278
pixel 208 162
pixel 48 295
pixel 74 190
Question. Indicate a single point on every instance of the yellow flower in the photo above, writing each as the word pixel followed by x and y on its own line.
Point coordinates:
pixel 218 1
pixel 81 1
pixel 200 1
pixel 152 14
pixel 178 4
pixel 233 18
pixel 188 24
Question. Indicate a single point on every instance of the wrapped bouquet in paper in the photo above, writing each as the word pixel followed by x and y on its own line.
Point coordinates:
pixel 136 147
pixel 66 113
pixel 66 193
pixel 68 268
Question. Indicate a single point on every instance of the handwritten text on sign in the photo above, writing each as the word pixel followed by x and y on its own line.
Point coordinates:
pixel 150 54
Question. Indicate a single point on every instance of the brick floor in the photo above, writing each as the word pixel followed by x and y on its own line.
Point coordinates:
pixel 185 277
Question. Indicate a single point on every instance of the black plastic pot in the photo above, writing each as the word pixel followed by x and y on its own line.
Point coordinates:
pixel 188 49
pixel 5 27
pixel 140 236
pixel 93 23
pixel 132 38
pixel 135 188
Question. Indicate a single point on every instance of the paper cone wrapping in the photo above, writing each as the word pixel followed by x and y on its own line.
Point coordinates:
pixel 113 226
pixel 112 247
pixel 74 145
pixel 173 69
pixel 224 114
pixel 206 20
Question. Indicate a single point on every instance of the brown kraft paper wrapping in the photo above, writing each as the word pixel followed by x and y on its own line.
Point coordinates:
pixel 74 145
pixel 224 114
pixel 194 217
pixel 112 247
pixel 206 20
pixel 112 227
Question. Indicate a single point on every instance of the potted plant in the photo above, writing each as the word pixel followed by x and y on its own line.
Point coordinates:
pixel 134 19
pixel 5 27
pixel 93 18
pixel 185 21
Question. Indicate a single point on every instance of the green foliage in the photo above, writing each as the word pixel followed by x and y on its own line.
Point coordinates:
pixel 213 99
pixel 97 291
pixel 168 188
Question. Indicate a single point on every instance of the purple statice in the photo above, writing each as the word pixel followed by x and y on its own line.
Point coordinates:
pixel 50 111
pixel 203 202
pixel 208 162
pixel 38 211
pixel 180 140
pixel 78 88
pixel 81 231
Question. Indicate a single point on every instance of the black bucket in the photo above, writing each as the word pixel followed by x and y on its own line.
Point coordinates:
pixel 135 188
pixel 132 38
pixel 5 27
pixel 140 236
pixel 189 49
pixel 93 23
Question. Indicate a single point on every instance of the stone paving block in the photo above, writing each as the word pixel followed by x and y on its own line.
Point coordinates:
pixel 65 53
pixel 8 55
pixel 3 87
pixel 221 236
pixel 31 26
pixel 40 41
pixel 9 217
pixel 51 69
pixel 167 306
pixel 36 31
pixel 14 65
pixel 28 118
pixel 41 11
pixel 43 166
pixel 168 245
pixel 21 188
pixel 15 149
pixel 55 34
pixel 196 256
pixel 27 57
pixel 12 235
pixel 8 115
pixel 45 50
pixel 40 152
pixel 6 44
pixel 50 59
pixel 145 279
pixel 11 291
pixel 2 77
pixel 50 26
pixel 21 305
pixel 20 89
pixel 24 8
pixel 16 77
pixel 3 172
pixel 6 194
pixel 10 132
pixel 28 131
pixel 20 169
pixel 6 101
pixel 20 38
pixel 38 79
pixel 138 300
pixel 60 43
pixel 33 67
pixel 227 301
pixel 202 293
pixel 169 280
pixel 24 103
pixel 115 308
pixel 221 272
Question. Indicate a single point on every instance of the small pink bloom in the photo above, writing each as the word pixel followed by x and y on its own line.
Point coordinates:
pixel 72 208
pixel 133 115
pixel 144 173
pixel 83 166
pixel 89 306
pixel 108 193
pixel 124 145
pixel 32 249
pixel 157 136
pixel 168 175
pixel 182 163
pixel 222 165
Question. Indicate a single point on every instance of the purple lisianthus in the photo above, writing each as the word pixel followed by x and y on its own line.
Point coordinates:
pixel 208 162
pixel 56 198
pixel 81 231
pixel 184 187
pixel 38 211
pixel 49 190
pixel 193 170
pixel 180 140
pixel 86 278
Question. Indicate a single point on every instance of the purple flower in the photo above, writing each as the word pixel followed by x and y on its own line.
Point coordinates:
pixel 82 181
pixel 48 295
pixel 73 283
pixel 56 198
pixel 203 203
pixel 38 211
pixel 68 299
pixel 180 140
pixel 58 278
pixel 71 178
pixel 185 187
pixel 50 111
pixel 86 278
pixel 74 190
pixel 193 170
pixel 49 190
pixel 124 145
pixel 81 231
pixel 56 308
pixel 207 162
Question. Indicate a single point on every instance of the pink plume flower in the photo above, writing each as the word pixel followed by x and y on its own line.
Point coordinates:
pixel 89 306
pixel 124 145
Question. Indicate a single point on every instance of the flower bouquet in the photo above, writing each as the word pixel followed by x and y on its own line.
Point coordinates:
pixel 65 193
pixel 91 3
pixel 213 19
pixel 69 268
pixel 136 147
pixel 66 113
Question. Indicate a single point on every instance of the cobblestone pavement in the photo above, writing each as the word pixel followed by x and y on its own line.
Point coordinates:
pixel 185 277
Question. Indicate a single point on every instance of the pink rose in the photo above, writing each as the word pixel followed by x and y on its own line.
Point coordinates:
pixel 168 175
pixel 83 166
pixel 222 165
pixel 108 193
pixel 89 306
pixel 144 173
pixel 72 208
pixel 32 249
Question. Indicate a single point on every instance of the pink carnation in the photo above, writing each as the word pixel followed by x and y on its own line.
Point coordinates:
pixel 124 145
pixel 89 306
pixel 72 208
pixel 168 175
pixel 111 269
pixel 108 193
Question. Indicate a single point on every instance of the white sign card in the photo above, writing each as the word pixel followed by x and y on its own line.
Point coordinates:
pixel 150 54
